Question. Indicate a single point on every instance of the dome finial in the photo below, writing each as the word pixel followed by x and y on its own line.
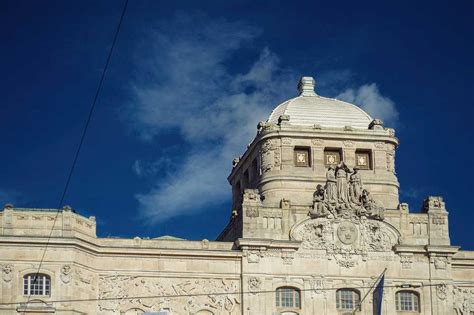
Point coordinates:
pixel 306 86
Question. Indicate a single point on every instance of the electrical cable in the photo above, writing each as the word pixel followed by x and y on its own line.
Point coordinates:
pixel 84 132
pixel 402 286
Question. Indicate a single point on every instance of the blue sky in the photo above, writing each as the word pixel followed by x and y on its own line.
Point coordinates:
pixel 187 84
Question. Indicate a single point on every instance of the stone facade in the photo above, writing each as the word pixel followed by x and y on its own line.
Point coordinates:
pixel 316 214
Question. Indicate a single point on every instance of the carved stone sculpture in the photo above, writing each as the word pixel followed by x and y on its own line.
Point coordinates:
pixel 331 189
pixel 341 183
pixel 340 198
pixel 7 272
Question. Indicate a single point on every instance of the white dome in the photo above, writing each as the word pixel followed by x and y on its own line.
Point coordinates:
pixel 309 109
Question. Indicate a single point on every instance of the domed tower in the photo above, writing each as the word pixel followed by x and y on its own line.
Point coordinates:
pixel 305 140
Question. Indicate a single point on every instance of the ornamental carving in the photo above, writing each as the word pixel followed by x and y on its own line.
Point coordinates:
pixel 66 273
pixel 251 213
pixel 438 219
pixel 317 142
pixel 434 203
pixel 406 261
pixel 7 271
pixel 286 141
pixel 442 291
pixel 463 300
pixel 254 284
pixel 440 262
pixel 379 145
pixel 270 155
pixel 189 295
pixel 344 196
pixel 391 161
pixel 345 240
pixel 348 143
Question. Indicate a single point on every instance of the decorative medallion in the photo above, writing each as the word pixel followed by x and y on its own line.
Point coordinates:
pixel 442 291
pixel 254 284
pixel 7 272
pixel 347 232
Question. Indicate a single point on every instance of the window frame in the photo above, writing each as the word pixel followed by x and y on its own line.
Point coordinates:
pixel 414 302
pixel 328 151
pixel 367 152
pixel 42 288
pixel 354 301
pixel 306 151
pixel 294 298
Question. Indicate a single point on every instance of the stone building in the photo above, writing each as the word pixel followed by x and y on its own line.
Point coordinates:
pixel 316 219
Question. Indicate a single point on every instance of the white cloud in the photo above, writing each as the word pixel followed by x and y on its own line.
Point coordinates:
pixel 215 109
pixel 369 98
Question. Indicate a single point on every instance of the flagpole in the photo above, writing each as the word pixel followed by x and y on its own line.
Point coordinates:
pixel 375 283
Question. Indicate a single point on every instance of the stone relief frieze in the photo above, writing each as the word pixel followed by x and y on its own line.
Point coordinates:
pixel 180 296
pixel 270 155
pixel 463 300
pixel 345 240
pixel 7 272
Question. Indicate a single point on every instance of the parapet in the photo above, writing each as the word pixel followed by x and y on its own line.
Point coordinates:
pixel 39 222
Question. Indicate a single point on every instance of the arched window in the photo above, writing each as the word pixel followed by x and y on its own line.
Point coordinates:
pixel 347 299
pixel 36 284
pixel 407 301
pixel 288 297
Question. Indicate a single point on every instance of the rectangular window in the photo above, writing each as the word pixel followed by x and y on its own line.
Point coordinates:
pixel 363 160
pixel 302 157
pixel 332 157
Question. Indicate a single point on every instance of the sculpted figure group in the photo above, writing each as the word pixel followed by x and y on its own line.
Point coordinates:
pixel 344 194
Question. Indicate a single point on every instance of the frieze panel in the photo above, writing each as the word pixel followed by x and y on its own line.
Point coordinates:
pixel 463 300
pixel 189 295
pixel 270 155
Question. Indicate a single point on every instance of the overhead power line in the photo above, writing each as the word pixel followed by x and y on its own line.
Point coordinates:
pixel 401 286
pixel 83 136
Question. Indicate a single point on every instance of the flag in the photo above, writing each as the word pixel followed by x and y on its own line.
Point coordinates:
pixel 378 297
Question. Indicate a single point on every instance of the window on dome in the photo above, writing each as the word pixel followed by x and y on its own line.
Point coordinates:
pixel 347 299
pixel 302 157
pixel 332 157
pixel 407 301
pixel 288 297
pixel 36 284
pixel 363 159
